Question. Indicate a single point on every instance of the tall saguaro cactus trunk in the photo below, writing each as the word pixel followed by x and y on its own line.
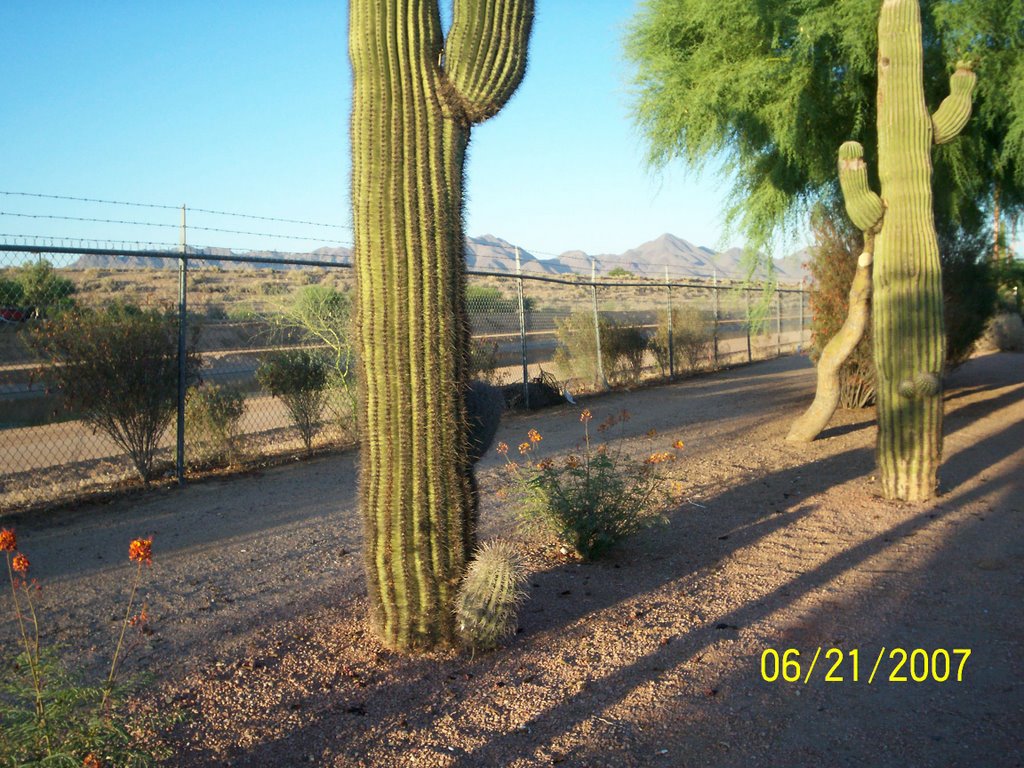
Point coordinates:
pixel 909 342
pixel 416 95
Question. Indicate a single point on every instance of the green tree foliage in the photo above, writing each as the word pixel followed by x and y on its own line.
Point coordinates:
pixel 117 368
pixel 298 377
pixel 768 91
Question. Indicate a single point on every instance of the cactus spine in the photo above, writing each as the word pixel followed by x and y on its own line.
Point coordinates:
pixel 415 97
pixel 909 343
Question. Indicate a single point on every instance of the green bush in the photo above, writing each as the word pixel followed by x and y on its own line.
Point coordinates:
pixel 588 502
pixel 298 377
pixel 969 294
pixel 118 369
pixel 484 362
pixel 692 336
pixel 212 416
pixel 44 289
pixel 485 299
pixel 623 348
pixel 321 314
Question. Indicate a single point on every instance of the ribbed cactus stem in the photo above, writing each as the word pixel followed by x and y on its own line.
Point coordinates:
pixel 907 305
pixel 490 595
pixel 863 206
pixel 955 110
pixel 413 105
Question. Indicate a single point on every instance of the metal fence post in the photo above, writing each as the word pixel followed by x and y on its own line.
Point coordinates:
pixel 714 298
pixel 522 330
pixel 601 380
pixel 800 337
pixel 671 323
pixel 778 322
pixel 182 351
pixel 746 297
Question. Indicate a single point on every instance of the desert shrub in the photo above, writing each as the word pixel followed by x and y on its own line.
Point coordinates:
pixel 626 346
pixel 837 246
pixel 48 715
pixel 241 313
pixel 622 348
pixel 118 369
pixel 1005 333
pixel 692 336
pixel 487 604
pixel 275 288
pixel 212 416
pixel 589 502
pixel 620 272
pixel 12 294
pixel 44 289
pixel 969 294
pixel 484 361
pixel 484 299
pixel 298 377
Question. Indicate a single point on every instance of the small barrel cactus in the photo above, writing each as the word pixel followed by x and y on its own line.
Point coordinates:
pixel 489 598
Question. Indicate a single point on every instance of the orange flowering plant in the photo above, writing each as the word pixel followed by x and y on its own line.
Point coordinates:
pixel 592 498
pixel 47 716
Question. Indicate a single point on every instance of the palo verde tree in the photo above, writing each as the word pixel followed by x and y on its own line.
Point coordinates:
pixel 417 92
pixel 769 90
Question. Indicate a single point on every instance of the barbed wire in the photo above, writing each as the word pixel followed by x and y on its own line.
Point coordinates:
pixel 575 262
pixel 160 206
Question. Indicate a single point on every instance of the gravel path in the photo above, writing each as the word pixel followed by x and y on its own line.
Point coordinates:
pixel 652 657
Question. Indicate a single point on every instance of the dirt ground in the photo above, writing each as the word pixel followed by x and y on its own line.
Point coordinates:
pixel 654 656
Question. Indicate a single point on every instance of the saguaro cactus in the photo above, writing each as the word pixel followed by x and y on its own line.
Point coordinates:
pixel 416 95
pixel 909 343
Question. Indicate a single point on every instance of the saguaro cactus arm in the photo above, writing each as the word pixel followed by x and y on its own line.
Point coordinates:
pixel 838 349
pixel 955 110
pixel 485 54
pixel 863 206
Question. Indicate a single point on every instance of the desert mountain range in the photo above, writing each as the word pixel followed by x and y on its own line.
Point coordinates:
pixel 488 253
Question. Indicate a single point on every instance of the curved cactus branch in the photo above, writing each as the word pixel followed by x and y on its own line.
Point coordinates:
pixel 864 207
pixel 955 110
pixel 485 54
pixel 836 352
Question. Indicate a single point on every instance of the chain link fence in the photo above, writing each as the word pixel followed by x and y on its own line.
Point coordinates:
pixel 87 404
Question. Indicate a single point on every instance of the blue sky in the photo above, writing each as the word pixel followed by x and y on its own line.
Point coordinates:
pixel 244 107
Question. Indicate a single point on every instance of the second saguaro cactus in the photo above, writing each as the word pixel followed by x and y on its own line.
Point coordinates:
pixel 416 94
pixel 909 342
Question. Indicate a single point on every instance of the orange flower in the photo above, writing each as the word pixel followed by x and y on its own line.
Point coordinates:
pixel 140 618
pixel 141 551
pixel 91 761
pixel 8 541
pixel 20 564
pixel 678 445
pixel 545 464
pixel 503 448
pixel 658 458
pixel 585 416
pixel 524 448
pixel 534 436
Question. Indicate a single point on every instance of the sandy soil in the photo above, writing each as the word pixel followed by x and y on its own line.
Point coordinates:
pixel 652 657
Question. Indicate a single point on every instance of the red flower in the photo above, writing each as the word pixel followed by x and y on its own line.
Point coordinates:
pixel 8 541
pixel 141 551
pixel 20 564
